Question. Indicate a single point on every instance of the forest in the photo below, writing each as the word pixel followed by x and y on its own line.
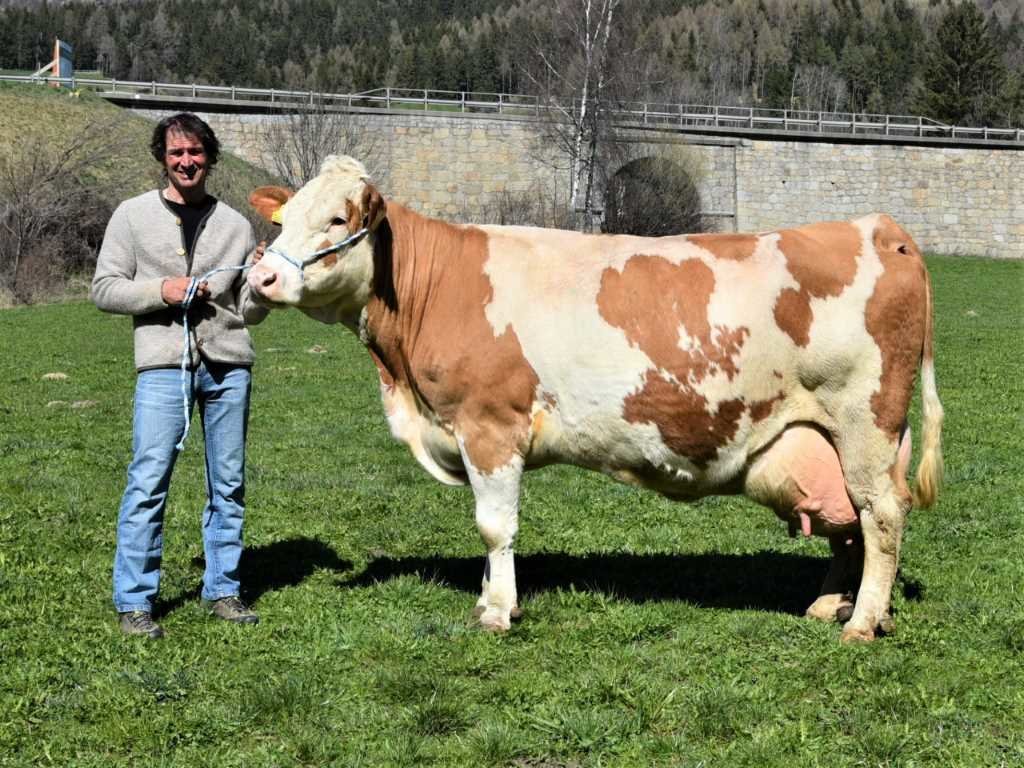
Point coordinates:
pixel 956 61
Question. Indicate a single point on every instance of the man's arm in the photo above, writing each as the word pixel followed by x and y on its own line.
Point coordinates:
pixel 252 311
pixel 114 287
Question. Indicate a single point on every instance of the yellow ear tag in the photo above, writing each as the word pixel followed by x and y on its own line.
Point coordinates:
pixel 275 217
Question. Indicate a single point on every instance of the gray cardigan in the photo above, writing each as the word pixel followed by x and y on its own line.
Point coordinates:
pixel 143 245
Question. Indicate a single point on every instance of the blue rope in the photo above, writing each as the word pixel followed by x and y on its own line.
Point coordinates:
pixel 193 286
pixel 190 294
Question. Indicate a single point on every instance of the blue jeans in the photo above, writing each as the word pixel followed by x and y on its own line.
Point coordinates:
pixel 222 392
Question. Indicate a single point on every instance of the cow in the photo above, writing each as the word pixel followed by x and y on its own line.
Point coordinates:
pixel 779 365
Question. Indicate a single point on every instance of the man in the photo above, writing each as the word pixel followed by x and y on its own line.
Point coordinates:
pixel 153 245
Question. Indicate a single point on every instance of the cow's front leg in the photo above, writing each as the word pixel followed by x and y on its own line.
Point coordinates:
pixel 481 603
pixel 835 601
pixel 497 518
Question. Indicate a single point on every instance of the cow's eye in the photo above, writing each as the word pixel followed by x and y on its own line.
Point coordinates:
pixel 337 221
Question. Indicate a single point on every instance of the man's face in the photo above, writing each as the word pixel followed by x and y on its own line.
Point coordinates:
pixel 185 162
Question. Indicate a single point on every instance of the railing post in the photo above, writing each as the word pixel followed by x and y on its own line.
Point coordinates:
pixel 387 96
pixel 193 90
pixel 887 125
pixel 424 99
pixel 716 116
pixel 785 119
pixel 920 126
pixel 152 87
pixel 750 118
pixel 462 98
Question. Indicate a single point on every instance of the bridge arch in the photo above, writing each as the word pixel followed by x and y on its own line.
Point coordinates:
pixel 653 195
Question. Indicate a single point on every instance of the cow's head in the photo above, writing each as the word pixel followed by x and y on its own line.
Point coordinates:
pixel 338 207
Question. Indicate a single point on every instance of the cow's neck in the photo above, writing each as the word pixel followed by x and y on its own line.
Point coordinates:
pixel 419 268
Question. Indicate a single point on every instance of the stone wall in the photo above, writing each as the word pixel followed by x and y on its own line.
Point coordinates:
pixel 953 201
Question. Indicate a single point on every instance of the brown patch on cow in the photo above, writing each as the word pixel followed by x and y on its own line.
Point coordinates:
pixel 896 316
pixel 649 300
pixel 433 336
pixel 330 259
pixel 822 258
pixel 729 246
pixel 651 297
pixel 368 213
pixel 762 409
pixel 385 375
pixel 683 418
pixel 374 207
pixel 793 315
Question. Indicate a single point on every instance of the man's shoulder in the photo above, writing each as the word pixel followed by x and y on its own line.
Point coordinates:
pixel 145 200
pixel 229 214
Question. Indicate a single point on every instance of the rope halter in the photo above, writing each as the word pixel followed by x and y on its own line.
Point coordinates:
pixel 313 258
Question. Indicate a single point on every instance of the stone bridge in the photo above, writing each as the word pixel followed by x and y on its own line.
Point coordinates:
pixel 953 198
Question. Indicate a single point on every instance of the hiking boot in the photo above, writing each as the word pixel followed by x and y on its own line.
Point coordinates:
pixel 140 623
pixel 234 610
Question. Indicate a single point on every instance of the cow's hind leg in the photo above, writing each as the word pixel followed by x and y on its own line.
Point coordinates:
pixel 497 519
pixel 875 464
pixel 883 505
pixel 835 602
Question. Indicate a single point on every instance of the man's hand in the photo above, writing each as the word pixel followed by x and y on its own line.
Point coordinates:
pixel 258 253
pixel 173 290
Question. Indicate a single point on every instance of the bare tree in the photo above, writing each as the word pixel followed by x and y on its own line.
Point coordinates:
pixel 51 223
pixel 574 71
pixel 295 146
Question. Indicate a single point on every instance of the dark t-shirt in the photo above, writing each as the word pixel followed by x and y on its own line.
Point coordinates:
pixel 192 217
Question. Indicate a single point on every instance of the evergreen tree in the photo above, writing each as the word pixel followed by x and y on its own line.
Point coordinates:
pixel 963 73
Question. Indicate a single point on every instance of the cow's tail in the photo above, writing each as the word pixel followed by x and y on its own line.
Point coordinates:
pixel 929 469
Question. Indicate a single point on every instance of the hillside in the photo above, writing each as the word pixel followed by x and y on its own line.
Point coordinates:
pixel 957 63
pixel 66 160
pixel 45 119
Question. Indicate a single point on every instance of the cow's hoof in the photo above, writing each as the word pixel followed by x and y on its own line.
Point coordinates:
pixel 494 621
pixel 887 625
pixel 831 608
pixel 851 635
pixel 515 614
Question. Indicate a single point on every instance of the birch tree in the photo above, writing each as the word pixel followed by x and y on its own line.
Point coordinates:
pixel 574 72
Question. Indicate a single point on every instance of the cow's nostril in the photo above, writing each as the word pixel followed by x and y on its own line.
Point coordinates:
pixel 268 279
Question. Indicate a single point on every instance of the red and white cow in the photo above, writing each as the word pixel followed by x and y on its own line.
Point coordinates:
pixel 780 365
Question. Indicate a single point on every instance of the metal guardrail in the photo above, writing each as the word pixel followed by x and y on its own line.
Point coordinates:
pixel 632 114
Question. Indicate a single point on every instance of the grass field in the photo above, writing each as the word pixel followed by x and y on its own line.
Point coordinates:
pixel 654 633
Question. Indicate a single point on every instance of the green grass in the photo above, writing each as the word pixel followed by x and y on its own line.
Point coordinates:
pixel 654 633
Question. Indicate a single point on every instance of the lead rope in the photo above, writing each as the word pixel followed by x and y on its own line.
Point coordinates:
pixel 190 294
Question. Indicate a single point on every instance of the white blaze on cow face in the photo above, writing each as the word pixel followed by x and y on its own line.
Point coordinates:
pixel 325 211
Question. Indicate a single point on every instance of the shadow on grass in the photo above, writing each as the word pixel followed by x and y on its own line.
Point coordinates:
pixel 766 581
pixel 269 567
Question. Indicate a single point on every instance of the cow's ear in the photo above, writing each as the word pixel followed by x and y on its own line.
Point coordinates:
pixel 374 207
pixel 268 202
